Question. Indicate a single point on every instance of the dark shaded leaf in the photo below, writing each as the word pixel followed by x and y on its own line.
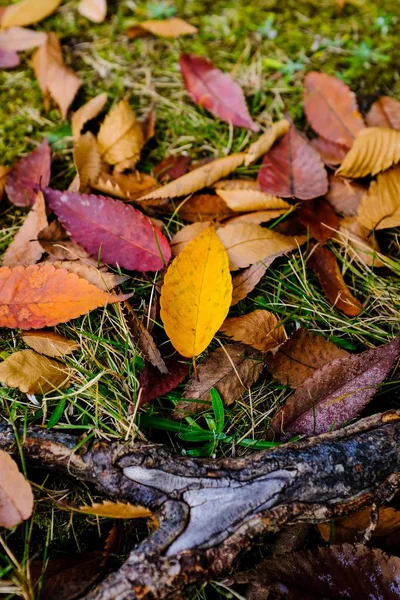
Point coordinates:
pixel 172 167
pixel 153 384
pixel 320 218
pixel 24 177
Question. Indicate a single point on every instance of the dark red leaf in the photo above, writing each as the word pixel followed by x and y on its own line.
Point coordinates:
pixel 9 59
pixel 320 218
pixel 293 169
pixel 24 177
pixel 216 91
pixel 385 112
pixel 154 384
pixel 172 167
pixel 110 230
pixel 331 154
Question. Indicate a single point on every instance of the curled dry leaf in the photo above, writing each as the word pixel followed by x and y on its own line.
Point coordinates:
pixel 168 28
pixel 25 249
pixel 331 154
pixel 247 243
pixel 101 278
pixel 55 79
pixel 266 141
pixel 385 112
pixel 320 218
pixel 111 230
pixel 380 206
pixel 19 39
pixel 27 12
pixel 246 281
pixel 344 195
pixel 242 200
pixel 293 169
pixel 143 338
pixel 120 137
pixel 33 373
pixel 27 174
pixel 203 207
pixel 86 113
pixel 364 247
pixel 41 296
pixel 94 10
pixel 260 329
pixel 331 108
pixel 230 369
pixel 300 356
pixel 350 528
pixel 172 167
pixel 16 497
pixel 375 149
pixel 152 385
pixel 336 392
pixel 185 235
pixel 87 160
pixel 56 242
pixel 49 343
pixel 325 266
pixel 127 186
pixel 215 91
pixel 196 294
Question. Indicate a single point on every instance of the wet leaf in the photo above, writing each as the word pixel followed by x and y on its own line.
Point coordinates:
pixel 127 186
pixel 293 169
pixel 94 10
pixel 33 373
pixel 331 108
pixel 336 392
pixel 41 295
pixel 246 281
pixel 380 206
pixel 108 229
pixel 25 249
pixel 325 266
pixel 375 149
pixel 49 343
pixel 16 497
pixel 385 112
pixel 215 91
pixel 27 12
pixel 266 141
pixel 242 200
pixel 20 39
pixel 331 154
pixel 300 356
pixel 101 278
pixel 231 370
pixel 320 218
pixel 260 329
pixel 29 172
pixel 196 294
pixel 86 113
pixel 168 28
pixel 153 385
pixel 87 160
pixel 344 195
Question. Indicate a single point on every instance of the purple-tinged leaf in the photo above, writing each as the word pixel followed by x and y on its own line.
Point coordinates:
pixel 27 174
pixel 9 59
pixel 154 384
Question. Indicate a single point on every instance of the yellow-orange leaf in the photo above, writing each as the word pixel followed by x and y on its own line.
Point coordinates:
pixel 196 294
pixel 349 529
pixel 375 149
pixel 240 200
pixel 115 510
pixel 33 373
pixel 87 160
pixel 86 113
pixel 27 12
pixel 380 206
pixel 41 295
pixel 266 141
pixel 3 176
pixel 169 28
pixel 185 235
pixel 49 343
pixel 260 329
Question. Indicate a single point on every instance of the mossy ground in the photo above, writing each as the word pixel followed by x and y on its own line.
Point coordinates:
pixel 268 45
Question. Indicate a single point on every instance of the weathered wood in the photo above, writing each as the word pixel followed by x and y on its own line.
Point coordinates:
pixel 209 511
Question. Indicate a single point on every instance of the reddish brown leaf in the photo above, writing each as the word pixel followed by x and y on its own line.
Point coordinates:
pixel 203 207
pixel 293 169
pixel 215 91
pixel 385 112
pixel 331 108
pixel 153 384
pixel 325 266
pixel 331 154
pixel 172 167
pixel 320 218
pixel 148 123
pixel 16 497
pixel 344 195
pixel 9 59
pixel 246 281
pixel 337 392
pixel 24 177
pixel 56 242
pixel 111 230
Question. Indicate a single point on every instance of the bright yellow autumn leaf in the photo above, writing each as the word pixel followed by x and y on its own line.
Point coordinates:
pixel 375 149
pixel 196 294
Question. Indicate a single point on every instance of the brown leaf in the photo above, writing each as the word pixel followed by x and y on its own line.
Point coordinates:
pixel 385 112
pixel 172 167
pixel 203 207
pixel 344 195
pixel 230 369
pixel 101 278
pixel 127 186
pixel 54 77
pixel 331 154
pixel 148 124
pixel 86 113
pixel 349 529
pixel 94 10
pixel 168 28
pixel 246 200
pixel 320 218
pixel 27 12
pixel 25 249
pixel 33 373
pixel 325 266
pixel 25 175
pixel 375 149
pixel 49 343
pixel 185 235
pixel 363 247
pixel 300 356
pixel 246 281
pixel 331 108
pixel 380 206
pixel 56 242
pixel 87 160
pixel 237 184
pixel 20 39
pixel 336 392
pixel 16 497
pixel 153 385
pixel 260 329
pixel 266 141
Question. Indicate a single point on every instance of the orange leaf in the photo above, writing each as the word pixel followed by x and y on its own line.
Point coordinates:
pixel 169 28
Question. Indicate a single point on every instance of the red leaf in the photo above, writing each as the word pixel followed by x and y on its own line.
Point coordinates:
pixel 385 112
pixel 154 384
pixel 8 59
pixel 331 108
pixel 216 91
pixel 110 230
pixel 293 169
pixel 320 218
pixel 24 177
pixel 332 154
pixel 172 167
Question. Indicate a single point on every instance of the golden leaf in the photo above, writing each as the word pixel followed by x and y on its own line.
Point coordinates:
pixel 188 233
pixel 380 206
pixel 260 216
pixel 49 343
pixel 120 137
pixel 375 149
pixel 33 373
pixel 87 160
pixel 242 200
pixel 260 329
pixel 196 294
pixel 86 113
pixel 169 28
pixel 115 510
pixel 27 12
pixel 266 141
pixel 348 529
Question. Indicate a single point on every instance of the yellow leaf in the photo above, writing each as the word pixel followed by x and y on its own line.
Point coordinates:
pixel 49 343
pixel 260 329
pixel 86 113
pixel 266 141
pixel 33 373
pixel 243 200
pixel 375 149
pixel 120 137
pixel 169 28
pixel 27 12
pixel 94 10
pixel 196 294
pixel 379 207
pixel 115 510
pixel 87 160
pixel 188 233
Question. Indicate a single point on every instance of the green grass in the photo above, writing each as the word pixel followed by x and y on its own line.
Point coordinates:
pixel 268 46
